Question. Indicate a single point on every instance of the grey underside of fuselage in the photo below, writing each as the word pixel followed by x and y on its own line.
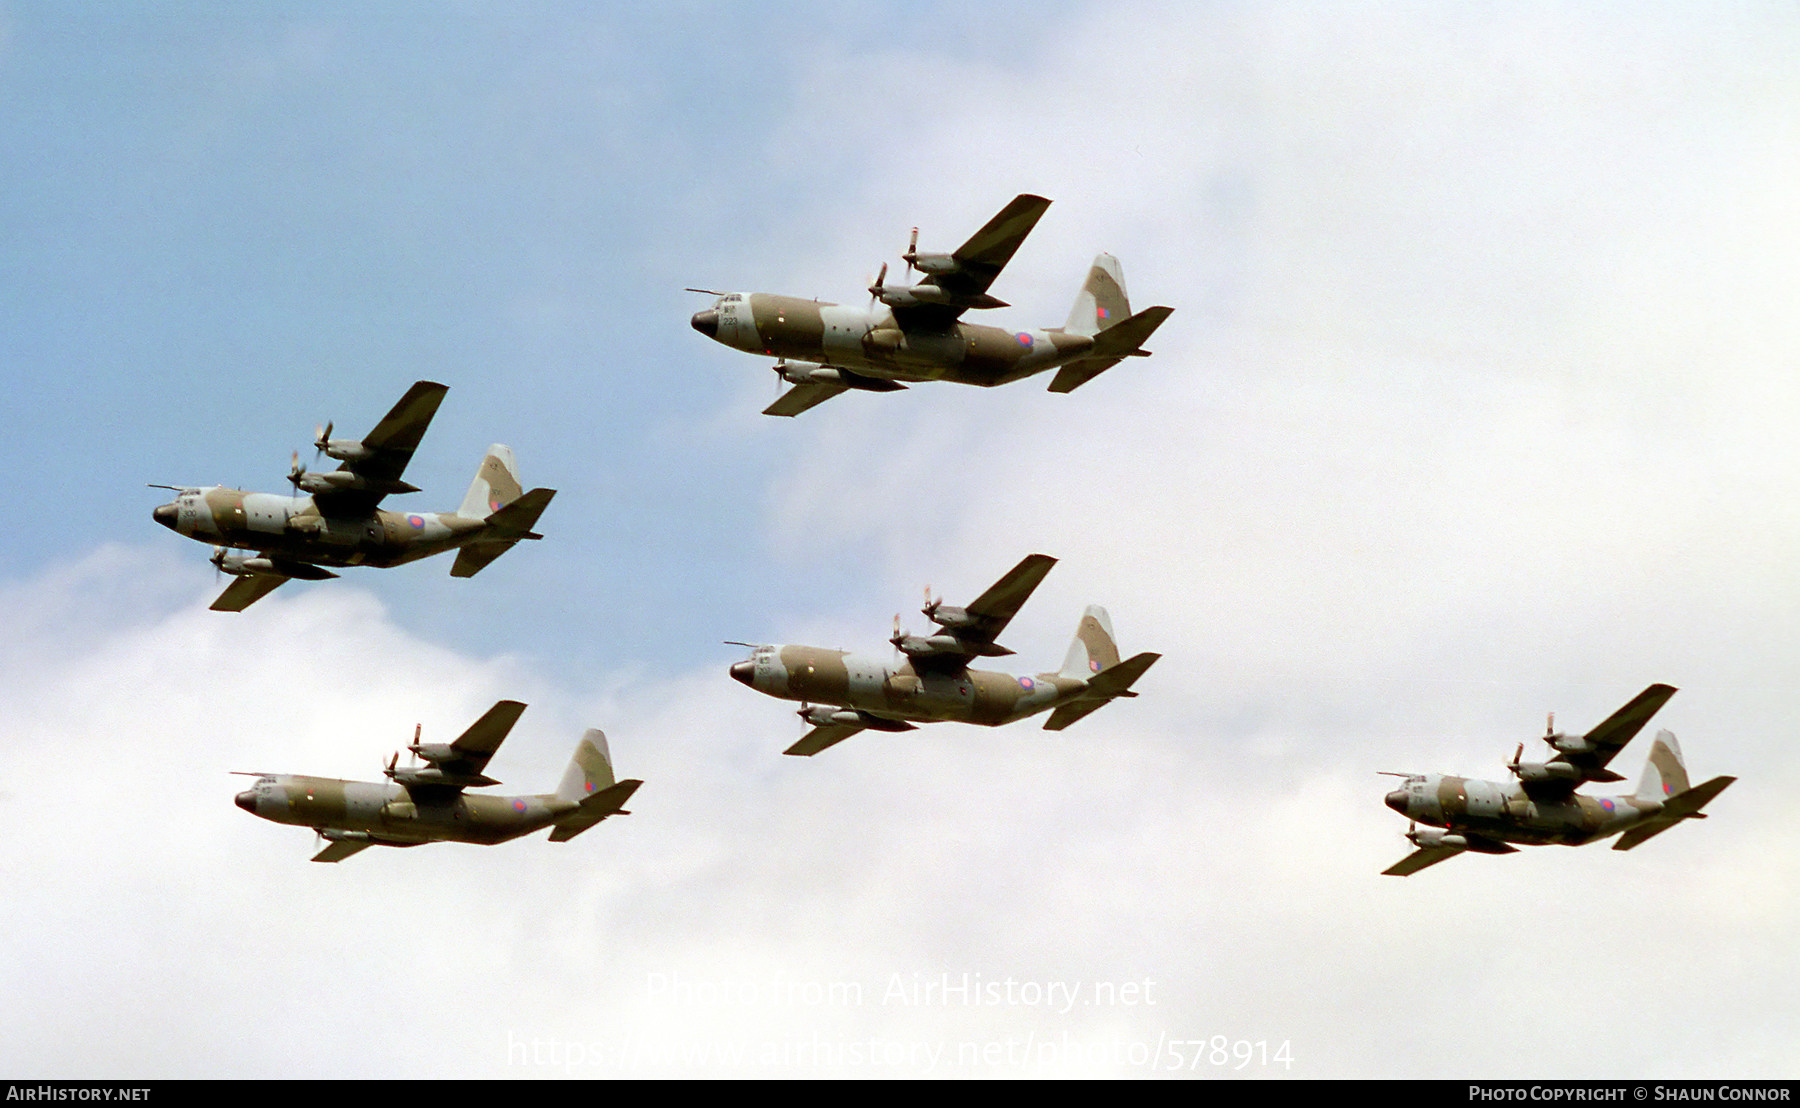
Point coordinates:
pixel 872 685
pixel 389 815
pixel 1505 812
pixel 870 343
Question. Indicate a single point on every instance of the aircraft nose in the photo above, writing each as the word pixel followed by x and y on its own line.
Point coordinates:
pixel 707 323
pixel 1397 801
pixel 742 672
pixel 165 515
pixel 247 800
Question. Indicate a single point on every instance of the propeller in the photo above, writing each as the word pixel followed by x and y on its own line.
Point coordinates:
pixel 296 471
pixel 1518 753
pixel 898 636
pixel 321 436
pixel 875 289
pixel 218 561
pixel 912 253
pixel 1550 729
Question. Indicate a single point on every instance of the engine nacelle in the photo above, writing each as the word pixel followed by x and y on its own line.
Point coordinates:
pixel 1570 744
pixel 247 565
pixel 346 450
pixel 825 716
pixel 1546 771
pixel 949 618
pixel 934 264
pixel 1436 836
pixel 805 373
pixel 910 296
pixel 342 480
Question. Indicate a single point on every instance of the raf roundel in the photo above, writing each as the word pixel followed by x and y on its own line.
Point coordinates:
pixel 417 523
pixel 518 804
pixel 1024 338
pixel 1026 683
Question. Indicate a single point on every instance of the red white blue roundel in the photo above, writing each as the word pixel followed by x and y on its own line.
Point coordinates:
pixel 417 523
pixel 1027 684
pixel 518 804
pixel 1606 803
pixel 1024 338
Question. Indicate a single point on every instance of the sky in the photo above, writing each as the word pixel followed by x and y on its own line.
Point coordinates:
pixel 1476 405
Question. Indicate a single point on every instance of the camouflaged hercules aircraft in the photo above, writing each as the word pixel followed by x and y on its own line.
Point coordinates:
pixel 426 804
pixel 841 694
pixel 911 333
pixel 334 521
pixel 1543 807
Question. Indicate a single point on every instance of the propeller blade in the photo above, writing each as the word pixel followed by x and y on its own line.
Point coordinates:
pixel 875 289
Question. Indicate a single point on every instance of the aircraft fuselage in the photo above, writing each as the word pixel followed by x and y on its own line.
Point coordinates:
pixel 390 816
pixel 293 527
pixel 1503 811
pixel 869 341
pixel 898 691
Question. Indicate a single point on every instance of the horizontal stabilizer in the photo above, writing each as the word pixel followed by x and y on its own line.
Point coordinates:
pixel 1101 689
pixel 609 801
pixel 508 525
pixel 1122 340
pixel 1682 806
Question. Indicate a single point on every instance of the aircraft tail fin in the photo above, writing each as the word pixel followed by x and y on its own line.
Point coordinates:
pixel 1094 658
pixel 496 484
pixel 1101 301
pixel 1112 345
pixel 1665 775
pixel 1093 648
pixel 589 783
pixel 495 497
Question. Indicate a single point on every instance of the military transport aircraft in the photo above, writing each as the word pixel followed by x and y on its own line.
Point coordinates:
pixel 1543 807
pixel 911 332
pixel 333 520
pixel 841 693
pixel 426 804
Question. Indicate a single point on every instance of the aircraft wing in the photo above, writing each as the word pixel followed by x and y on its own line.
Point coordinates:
pixel 464 762
pixel 801 397
pixel 819 738
pixel 247 590
pixel 1422 857
pixel 340 850
pixel 1606 741
pixel 393 441
pixel 472 749
pixel 999 604
pixel 978 262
